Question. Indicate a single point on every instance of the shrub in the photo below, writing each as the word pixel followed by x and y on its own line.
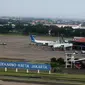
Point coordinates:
pixel 53 59
pixel 60 61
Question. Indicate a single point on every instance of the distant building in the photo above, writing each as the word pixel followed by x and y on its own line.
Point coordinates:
pixel 68 25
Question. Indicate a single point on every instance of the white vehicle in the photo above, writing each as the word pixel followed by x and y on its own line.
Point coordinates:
pixel 42 42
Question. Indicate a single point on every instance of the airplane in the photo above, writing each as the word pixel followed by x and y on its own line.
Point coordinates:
pixel 77 27
pixel 58 42
pixel 53 44
pixel 41 42
pixel 63 45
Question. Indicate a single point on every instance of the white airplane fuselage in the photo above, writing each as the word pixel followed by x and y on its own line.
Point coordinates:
pixel 43 42
pixel 62 45
pixel 54 44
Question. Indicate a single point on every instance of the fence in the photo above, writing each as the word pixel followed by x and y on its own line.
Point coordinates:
pixel 25 65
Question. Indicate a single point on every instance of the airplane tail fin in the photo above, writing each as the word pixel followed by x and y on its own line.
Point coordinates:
pixel 79 25
pixel 32 38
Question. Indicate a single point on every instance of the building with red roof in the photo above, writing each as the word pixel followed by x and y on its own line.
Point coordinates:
pixel 78 43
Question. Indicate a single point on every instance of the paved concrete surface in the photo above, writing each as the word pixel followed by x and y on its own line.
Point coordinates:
pixel 18 47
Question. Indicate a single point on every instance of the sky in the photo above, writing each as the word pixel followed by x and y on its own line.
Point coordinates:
pixel 43 8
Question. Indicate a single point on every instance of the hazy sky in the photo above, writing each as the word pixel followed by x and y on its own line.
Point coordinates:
pixel 43 8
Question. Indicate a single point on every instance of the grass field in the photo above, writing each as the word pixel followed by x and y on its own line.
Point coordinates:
pixel 44 77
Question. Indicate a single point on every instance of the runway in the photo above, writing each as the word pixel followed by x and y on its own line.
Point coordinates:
pixel 18 47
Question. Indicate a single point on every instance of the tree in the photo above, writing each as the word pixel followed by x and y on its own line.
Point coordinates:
pixel 60 61
pixel 56 65
pixel 53 59
pixel 5 29
pixel 53 62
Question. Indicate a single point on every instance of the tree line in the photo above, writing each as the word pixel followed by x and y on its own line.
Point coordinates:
pixel 41 29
